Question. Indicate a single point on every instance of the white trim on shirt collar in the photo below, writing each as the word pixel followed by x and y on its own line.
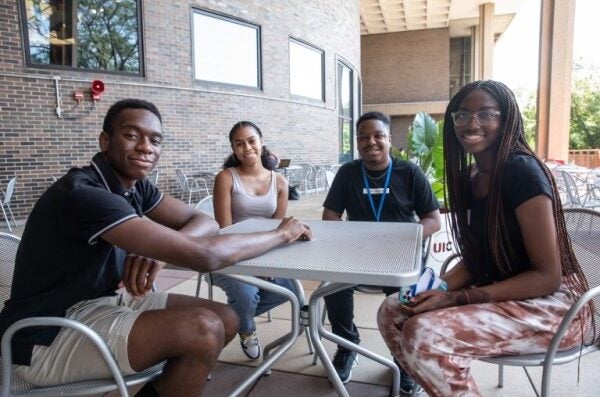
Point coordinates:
pixel 101 175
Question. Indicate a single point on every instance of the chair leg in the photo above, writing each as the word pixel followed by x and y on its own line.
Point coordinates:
pixel 11 215
pixel 531 382
pixel 198 284
pixel 323 317
pixel 311 350
pixel 210 287
pixel 5 217
pixel 500 375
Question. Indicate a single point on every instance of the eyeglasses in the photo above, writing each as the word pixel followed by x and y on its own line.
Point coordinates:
pixel 483 118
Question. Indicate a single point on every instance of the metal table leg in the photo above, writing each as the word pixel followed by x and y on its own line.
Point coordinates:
pixel 317 330
pixel 291 337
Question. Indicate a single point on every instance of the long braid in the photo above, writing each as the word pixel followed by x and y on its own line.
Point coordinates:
pixel 457 164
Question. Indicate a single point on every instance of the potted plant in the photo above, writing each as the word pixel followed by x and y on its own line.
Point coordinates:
pixel 426 148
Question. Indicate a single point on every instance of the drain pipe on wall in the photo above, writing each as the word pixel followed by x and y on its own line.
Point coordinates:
pixel 78 98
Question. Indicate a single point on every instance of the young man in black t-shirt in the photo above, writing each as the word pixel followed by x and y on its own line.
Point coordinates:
pixel 375 188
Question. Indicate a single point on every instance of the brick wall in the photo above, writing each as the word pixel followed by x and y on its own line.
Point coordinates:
pixel 406 66
pixel 35 144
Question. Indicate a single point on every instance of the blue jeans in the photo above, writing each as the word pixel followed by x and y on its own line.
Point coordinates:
pixel 249 301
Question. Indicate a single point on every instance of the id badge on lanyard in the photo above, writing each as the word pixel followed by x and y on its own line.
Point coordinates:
pixel 383 191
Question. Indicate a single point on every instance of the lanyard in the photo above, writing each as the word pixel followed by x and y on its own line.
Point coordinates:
pixel 388 176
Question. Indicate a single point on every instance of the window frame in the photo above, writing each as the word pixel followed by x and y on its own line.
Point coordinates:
pixel 342 63
pixel 235 20
pixel 27 52
pixel 295 40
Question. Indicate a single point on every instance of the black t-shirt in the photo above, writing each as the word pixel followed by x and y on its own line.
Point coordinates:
pixel 61 260
pixel 523 179
pixel 409 193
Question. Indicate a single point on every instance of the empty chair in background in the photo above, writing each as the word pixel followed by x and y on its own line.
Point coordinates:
pixel 189 185
pixel 153 177
pixel 5 198
pixel 589 199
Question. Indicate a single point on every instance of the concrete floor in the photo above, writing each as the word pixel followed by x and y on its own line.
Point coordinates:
pixel 294 375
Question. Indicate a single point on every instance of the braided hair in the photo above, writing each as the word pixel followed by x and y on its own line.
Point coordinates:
pixel 268 159
pixel 457 163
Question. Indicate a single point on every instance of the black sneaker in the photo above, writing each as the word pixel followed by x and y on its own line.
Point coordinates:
pixel 343 362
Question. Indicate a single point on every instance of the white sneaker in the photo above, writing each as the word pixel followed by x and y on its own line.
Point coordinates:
pixel 250 345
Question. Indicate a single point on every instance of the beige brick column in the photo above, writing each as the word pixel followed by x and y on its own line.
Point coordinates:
pixel 554 90
pixel 486 40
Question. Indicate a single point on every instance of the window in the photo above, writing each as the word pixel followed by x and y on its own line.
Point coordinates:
pixel 460 63
pixel 306 70
pixel 86 34
pixel 345 112
pixel 226 50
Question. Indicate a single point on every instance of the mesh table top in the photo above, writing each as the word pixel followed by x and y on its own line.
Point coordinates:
pixel 385 254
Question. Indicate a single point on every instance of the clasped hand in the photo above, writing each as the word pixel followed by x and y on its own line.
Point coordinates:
pixel 139 274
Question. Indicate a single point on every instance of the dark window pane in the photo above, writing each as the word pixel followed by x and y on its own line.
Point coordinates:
pixel 88 34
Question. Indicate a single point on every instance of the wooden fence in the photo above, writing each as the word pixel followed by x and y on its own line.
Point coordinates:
pixel 589 158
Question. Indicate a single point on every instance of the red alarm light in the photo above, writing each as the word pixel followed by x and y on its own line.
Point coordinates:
pixel 97 89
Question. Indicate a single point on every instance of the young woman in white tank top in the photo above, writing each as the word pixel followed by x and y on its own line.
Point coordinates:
pixel 249 188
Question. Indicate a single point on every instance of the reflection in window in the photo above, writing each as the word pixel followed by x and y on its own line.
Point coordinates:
pixel 306 70
pixel 88 34
pixel 345 115
pixel 460 63
pixel 226 50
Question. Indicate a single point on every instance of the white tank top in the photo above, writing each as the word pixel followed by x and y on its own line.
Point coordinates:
pixel 245 205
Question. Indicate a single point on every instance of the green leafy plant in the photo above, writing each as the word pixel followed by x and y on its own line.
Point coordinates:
pixel 426 149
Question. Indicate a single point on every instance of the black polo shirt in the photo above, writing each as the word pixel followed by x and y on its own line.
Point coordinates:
pixel 61 259
pixel 409 193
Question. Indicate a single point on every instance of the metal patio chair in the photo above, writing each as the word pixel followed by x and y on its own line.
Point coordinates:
pixel 5 197
pixel 12 385
pixel 153 177
pixel 189 185
pixel 576 199
pixel 583 227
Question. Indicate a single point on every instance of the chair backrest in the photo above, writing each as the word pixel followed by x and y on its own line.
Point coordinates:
pixel 329 175
pixel 8 252
pixel 571 187
pixel 153 177
pixel 182 179
pixel 206 206
pixel 10 188
pixel 583 226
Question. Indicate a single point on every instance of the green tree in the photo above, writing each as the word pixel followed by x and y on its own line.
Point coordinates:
pixel 584 132
pixel 529 113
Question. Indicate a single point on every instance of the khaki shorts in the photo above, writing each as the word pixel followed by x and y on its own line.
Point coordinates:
pixel 72 357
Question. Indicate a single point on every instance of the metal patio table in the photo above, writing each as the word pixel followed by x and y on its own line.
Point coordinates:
pixel 344 254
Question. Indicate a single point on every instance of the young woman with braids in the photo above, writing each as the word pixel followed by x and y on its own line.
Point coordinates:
pixel 518 275
pixel 249 188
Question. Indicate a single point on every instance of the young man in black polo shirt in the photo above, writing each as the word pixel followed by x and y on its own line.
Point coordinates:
pixel 375 188
pixel 103 226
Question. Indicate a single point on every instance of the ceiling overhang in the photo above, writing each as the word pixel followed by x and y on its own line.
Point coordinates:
pixel 388 16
